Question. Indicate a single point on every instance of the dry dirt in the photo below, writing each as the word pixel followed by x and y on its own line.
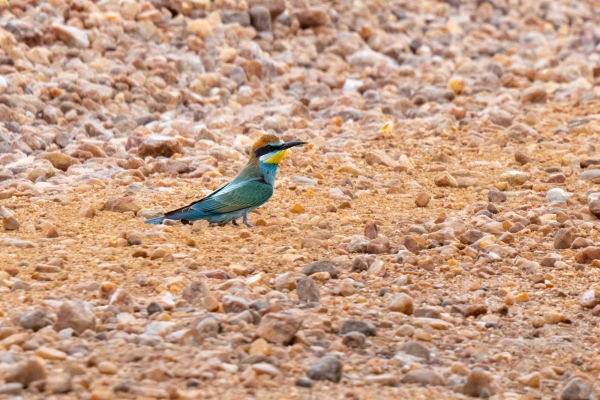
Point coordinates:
pixel 437 238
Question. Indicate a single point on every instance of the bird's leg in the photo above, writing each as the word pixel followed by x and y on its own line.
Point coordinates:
pixel 234 222
pixel 245 220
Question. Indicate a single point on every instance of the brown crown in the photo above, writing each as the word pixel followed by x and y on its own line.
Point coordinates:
pixel 265 140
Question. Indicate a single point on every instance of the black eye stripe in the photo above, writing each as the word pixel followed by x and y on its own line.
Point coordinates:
pixel 261 151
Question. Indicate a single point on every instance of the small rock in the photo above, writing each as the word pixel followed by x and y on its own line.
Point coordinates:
pixel 312 17
pixel 48 353
pixel 346 288
pixel 308 291
pixel 320 266
pixel 87 211
pixel 107 368
pixel 13 388
pixel 594 207
pixel 36 319
pixel 422 199
pixel 121 204
pixel 297 209
pixel 563 239
pixel 416 349
pixel 371 230
pixel 285 281
pixel 478 384
pixel 159 146
pixel 444 179
pixel 304 382
pixel 358 245
pixel 26 372
pixel 474 310
pixel 514 178
pixel 423 377
pixel 496 196
pixel 72 36
pixel 521 158
pixel 234 304
pixel 557 195
pixel 75 314
pixel 586 256
pixel 278 328
pixel 261 18
pixel 10 223
pixel 354 340
pixel 577 389
pixel 381 245
pixel 327 368
pixel 365 328
pixel 401 302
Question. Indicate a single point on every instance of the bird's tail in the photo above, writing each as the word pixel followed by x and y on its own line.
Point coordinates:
pixel 157 220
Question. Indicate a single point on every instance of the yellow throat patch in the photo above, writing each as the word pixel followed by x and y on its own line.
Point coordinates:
pixel 275 158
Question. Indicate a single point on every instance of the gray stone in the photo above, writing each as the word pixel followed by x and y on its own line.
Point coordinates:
pixel 577 389
pixel 36 319
pixel 320 266
pixel 557 195
pixel 351 325
pixel 261 18
pixel 327 368
pixel 308 291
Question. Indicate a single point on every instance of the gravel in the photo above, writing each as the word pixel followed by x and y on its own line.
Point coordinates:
pixel 437 237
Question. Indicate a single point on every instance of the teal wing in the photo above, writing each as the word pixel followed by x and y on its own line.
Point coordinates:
pixel 232 197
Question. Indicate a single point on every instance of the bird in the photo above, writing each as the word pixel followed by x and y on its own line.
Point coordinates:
pixel 250 189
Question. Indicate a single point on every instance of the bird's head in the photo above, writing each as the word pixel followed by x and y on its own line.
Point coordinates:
pixel 270 149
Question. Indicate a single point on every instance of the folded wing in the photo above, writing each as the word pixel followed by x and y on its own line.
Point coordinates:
pixel 229 198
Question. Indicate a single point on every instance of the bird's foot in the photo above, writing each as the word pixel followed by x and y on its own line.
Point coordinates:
pixel 234 222
pixel 245 220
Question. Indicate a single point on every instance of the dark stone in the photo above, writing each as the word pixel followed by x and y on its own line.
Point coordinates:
pixel 327 368
pixel 308 291
pixel 320 266
pixel 154 308
pixel 496 196
pixel 351 325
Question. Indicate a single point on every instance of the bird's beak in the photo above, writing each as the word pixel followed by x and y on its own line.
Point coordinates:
pixel 293 143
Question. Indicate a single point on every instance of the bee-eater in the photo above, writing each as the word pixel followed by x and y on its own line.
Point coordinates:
pixel 250 189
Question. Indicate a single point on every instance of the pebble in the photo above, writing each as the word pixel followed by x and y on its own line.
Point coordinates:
pixel 365 328
pixel 308 291
pixel 121 205
pixel 557 195
pixel 10 223
pixel 327 368
pixel 36 319
pixel 77 315
pixel 143 107
pixel 278 328
pixel 285 281
pixel 320 266
pixel 107 368
pixel 594 207
pixel 423 377
pixel 577 389
pixel 422 199
pixel 478 384
pixel 401 302
pixel 30 370
pixel 495 196
pixel 563 239
pixel 416 349
pixel 346 288
pixel 444 179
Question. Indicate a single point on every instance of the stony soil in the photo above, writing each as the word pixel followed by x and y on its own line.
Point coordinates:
pixel 437 238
